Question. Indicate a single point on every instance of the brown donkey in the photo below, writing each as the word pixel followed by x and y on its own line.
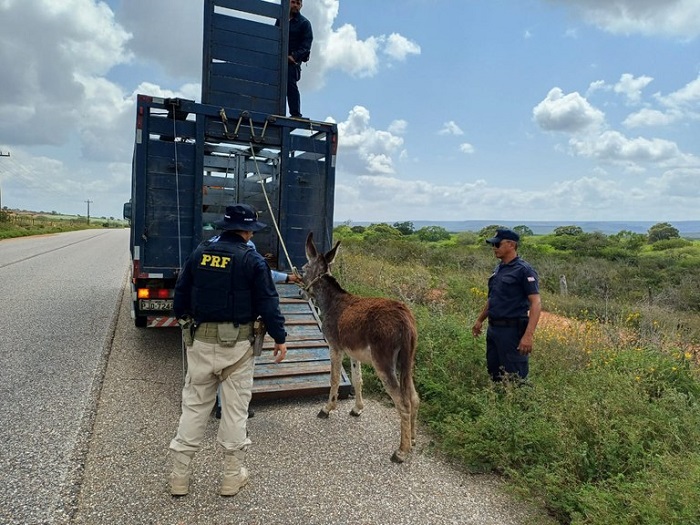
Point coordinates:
pixel 370 330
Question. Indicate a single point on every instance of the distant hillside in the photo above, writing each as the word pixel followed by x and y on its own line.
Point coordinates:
pixel 688 229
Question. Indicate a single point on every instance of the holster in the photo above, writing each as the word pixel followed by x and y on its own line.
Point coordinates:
pixel 187 327
pixel 259 336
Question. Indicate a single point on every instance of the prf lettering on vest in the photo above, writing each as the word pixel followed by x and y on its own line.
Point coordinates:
pixel 214 261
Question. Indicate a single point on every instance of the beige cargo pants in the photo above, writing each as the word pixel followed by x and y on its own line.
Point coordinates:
pixel 208 365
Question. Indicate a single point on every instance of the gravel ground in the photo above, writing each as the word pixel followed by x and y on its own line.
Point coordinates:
pixel 304 470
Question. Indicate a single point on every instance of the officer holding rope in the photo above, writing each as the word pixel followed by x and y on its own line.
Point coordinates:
pixel 222 289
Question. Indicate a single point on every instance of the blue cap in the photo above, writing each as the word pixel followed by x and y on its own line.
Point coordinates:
pixel 504 234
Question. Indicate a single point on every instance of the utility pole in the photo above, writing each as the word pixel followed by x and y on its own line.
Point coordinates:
pixel 88 213
pixel 2 155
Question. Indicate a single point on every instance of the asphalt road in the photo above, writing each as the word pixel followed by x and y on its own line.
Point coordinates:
pixel 59 295
pixel 90 404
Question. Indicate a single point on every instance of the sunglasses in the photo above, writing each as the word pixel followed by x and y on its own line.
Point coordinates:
pixel 498 244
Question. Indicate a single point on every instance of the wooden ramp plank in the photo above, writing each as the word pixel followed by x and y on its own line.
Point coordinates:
pixel 299 368
pixel 296 355
pixel 307 368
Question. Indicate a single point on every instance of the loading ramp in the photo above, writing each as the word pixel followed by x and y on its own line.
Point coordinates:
pixel 307 368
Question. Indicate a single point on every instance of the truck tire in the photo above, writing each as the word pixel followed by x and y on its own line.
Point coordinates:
pixel 140 322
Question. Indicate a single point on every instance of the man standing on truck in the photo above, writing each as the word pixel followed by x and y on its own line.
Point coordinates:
pixel 222 288
pixel 300 38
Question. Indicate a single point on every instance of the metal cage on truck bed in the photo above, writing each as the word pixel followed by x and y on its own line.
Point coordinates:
pixel 192 160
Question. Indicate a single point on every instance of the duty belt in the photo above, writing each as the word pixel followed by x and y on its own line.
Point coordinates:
pixel 209 332
pixel 507 321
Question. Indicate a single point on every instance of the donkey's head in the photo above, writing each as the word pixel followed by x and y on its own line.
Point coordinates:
pixel 318 264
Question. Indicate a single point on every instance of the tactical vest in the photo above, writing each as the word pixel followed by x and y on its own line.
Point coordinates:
pixel 221 290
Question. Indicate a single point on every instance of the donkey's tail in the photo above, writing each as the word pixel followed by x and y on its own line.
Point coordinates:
pixel 407 354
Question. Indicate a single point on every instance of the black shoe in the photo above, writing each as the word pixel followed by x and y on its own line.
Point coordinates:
pixel 251 413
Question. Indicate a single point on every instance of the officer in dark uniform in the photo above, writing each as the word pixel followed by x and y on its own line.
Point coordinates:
pixel 223 287
pixel 513 309
pixel 301 37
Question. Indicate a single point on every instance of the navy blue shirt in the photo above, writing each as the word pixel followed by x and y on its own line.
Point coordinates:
pixel 509 288
pixel 300 38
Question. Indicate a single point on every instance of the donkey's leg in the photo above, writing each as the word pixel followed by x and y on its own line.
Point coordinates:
pixel 403 406
pixel 336 362
pixel 356 378
pixel 415 401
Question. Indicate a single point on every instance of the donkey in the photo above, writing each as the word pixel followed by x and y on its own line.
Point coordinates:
pixel 378 331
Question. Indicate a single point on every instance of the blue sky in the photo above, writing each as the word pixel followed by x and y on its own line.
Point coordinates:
pixel 560 110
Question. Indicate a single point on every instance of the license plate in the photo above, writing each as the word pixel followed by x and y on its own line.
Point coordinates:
pixel 156 304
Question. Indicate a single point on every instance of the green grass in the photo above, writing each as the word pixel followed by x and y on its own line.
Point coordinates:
pixel 24 226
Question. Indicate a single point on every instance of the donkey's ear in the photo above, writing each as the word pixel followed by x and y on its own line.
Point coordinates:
pixel 332 253
pixel 311 252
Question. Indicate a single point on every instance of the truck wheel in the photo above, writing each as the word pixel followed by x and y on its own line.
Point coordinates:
pixel 141 322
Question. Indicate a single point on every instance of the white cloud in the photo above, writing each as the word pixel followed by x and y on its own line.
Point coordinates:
pixel 587 193
pixel 573 114
pixel 451 128
pixel 613 146
pixel 597 85
pixel 681 183
pixel 166 34
pixel 569 113
pixel 398 127
pixel 346 52
pixel 48 52
pixel 384 197
pixel 391 198
pixel 53 185
pixel 399 47
pixel 341 49
pixel 466 148
pixel 686 98
pixel 632 87
pixel 366 149
pixel 677 106
pixel 651 117
pixel 672 18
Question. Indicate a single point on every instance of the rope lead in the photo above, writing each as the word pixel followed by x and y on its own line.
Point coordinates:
pixel 269 208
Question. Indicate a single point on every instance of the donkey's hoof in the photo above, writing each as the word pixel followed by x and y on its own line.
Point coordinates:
pixel 323 414
pixel 355 413
pixel 398 457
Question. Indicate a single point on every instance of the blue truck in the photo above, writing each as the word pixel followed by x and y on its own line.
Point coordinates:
pixel 192 159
